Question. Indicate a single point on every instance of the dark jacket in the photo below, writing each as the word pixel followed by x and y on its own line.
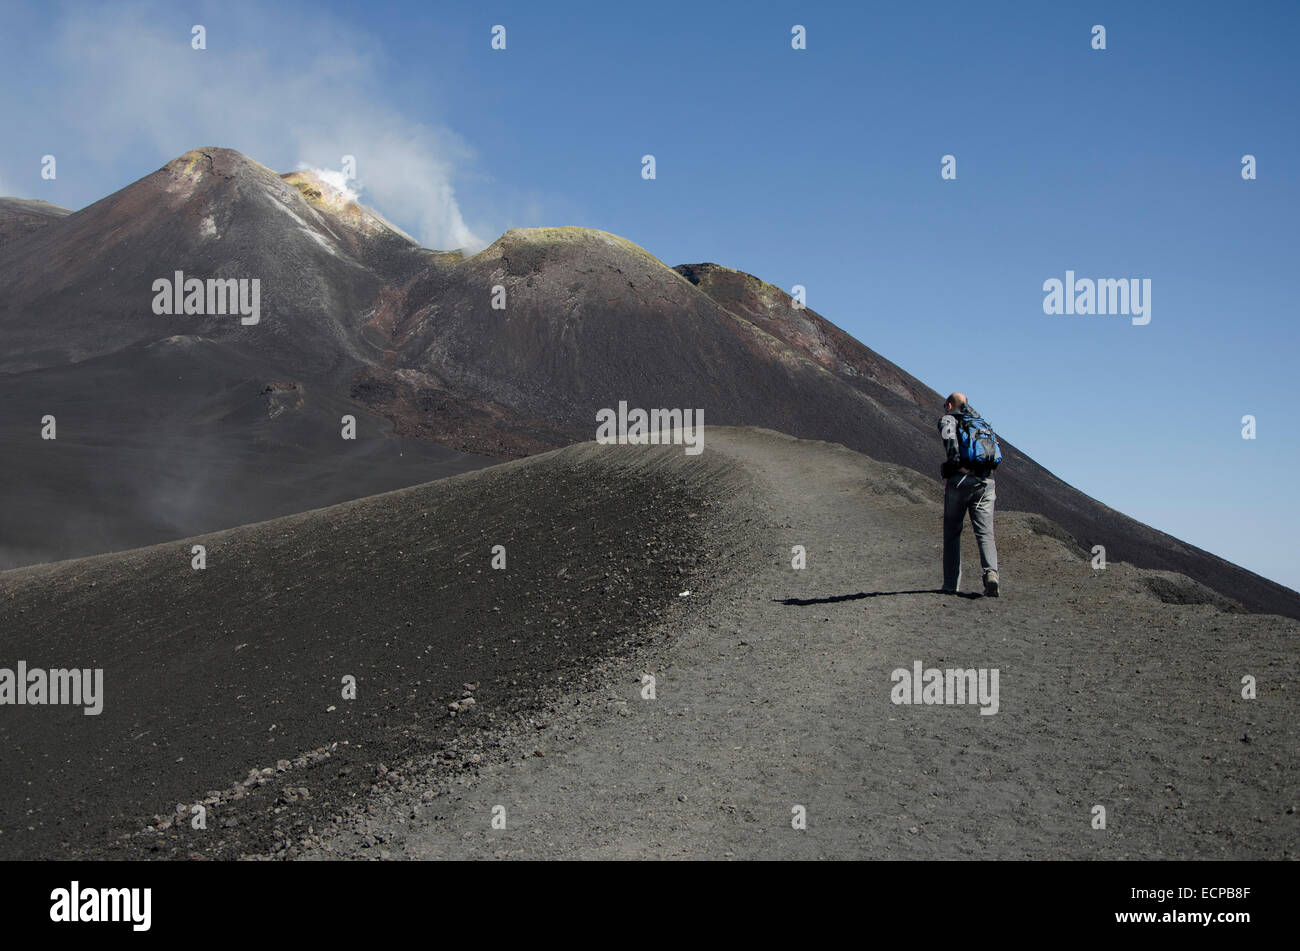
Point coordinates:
pixel 952 446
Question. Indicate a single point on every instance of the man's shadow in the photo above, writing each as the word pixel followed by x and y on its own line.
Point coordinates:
pixel 805 602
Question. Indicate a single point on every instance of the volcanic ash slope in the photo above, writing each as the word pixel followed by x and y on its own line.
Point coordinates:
pixel 772 686
pixel 241 666
pixel 1118 687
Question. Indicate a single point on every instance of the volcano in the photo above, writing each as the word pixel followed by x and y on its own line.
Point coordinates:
pixel 172 425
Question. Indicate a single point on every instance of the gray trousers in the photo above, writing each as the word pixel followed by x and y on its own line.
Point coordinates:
pixel 967 493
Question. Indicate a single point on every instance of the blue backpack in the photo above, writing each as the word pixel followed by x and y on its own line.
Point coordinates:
pixel 978 446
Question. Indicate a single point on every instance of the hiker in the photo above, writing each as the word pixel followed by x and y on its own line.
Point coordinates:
pixel 973 454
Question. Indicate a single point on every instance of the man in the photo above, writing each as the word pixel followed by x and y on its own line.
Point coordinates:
pixel 969 489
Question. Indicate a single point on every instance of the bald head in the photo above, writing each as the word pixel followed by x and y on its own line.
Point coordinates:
pixel 956 401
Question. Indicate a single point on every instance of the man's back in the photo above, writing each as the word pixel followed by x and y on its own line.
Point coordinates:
pixel 970 490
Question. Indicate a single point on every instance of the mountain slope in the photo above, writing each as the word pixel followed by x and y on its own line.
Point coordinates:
pixel 210 673
pixel 225 686
pixel 1022 484
pixel 209 214
pixel 168 425
pixel 20 217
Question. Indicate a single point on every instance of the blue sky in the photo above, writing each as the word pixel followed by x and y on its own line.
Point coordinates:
pixel 817 167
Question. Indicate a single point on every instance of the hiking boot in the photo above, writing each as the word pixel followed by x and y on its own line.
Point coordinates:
pixel 990 584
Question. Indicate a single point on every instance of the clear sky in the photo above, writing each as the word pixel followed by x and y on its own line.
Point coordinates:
pixel 818 167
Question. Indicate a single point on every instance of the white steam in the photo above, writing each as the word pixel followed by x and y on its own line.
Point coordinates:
pixel 336 180
pixel 130 84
